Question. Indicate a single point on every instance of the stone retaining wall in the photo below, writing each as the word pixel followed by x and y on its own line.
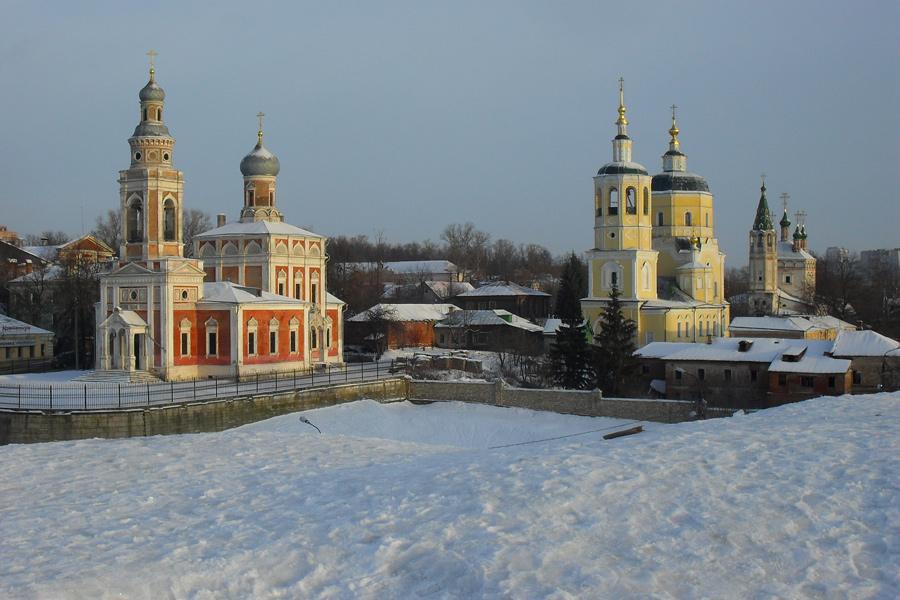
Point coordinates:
pixel 586 403
pixel 22 427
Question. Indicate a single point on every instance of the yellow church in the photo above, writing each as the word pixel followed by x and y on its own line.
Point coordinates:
pixel 654 242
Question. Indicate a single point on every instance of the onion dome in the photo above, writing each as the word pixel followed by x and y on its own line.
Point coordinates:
pixel 803 232
pixel 797 234
pixel 785 221
pixel 152 92
pixel 260 162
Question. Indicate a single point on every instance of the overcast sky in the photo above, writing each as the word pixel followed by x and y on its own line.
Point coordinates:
pixel 406 116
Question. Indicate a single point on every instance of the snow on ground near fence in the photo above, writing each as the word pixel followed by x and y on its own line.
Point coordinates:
pixel 47 377
pixel 397 501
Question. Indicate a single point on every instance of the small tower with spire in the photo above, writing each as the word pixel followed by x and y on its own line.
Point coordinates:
pixel 260 169
pixel 763 258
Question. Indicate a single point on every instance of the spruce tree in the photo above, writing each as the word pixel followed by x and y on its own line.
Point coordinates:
pixel 613 359
pixel 570 354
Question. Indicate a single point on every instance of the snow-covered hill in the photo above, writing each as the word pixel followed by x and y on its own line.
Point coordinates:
pixel 399 501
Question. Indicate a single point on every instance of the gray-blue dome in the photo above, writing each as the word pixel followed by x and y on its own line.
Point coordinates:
pixel 152 91
pixel 260 162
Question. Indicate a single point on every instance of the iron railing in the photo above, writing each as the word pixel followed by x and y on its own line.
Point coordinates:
pixel 75 395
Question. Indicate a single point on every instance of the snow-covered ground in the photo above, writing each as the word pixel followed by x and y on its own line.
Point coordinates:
pixel 47 377
pixel 404 501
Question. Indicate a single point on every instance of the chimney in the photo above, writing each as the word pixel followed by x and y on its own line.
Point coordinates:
pixel 220 219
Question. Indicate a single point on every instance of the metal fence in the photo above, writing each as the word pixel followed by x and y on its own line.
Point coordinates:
pixel 105 396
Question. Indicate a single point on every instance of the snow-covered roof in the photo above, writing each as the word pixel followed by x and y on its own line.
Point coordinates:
pixel 503 288
pixel 42 252
pixel 788 323
pixel 446 289
pixel 551 325
pixel 255 228
pixel 863 343
pixel 474 318
pixel 786 252
pixel 231 293
pixel 49 273
pixel 810 364
pixel 728 349
pixel 406 312
pixel 332 299
pixel 14 327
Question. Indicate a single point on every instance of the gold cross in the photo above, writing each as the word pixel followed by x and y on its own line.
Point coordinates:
pixel 260 116
pixel 784 200
pixel 763 177
pixel 152 54
pixel 673 112
pixel 801 217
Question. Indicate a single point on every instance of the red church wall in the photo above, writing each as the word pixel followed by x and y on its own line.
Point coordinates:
pixel 283 352
pixel 335 331
pixel 197 337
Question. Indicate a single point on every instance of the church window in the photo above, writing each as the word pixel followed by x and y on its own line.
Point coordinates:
pixel 614 279
pixel 678 330
pixel 135 221
pixel 787 278
pixel 688 219
pixel 273 342
pixel 770 240
pixel 646 202
pixel 250 197
pixel 328 337
pixel 314 341
pixel 252 326
pixel 293 341
pixel 613 201
pixel 598 202
pixel 630 201
pixel 706 217
pixel 137 156
pixel 145 114
pixel 659 219
pixel 169 220
pixel 159 114
pixel 298 290
pixel 185 345
pixel 165 156
pixel 700 333
pixel 281 288
pixel 271 198
pixel 645 273
pixel 759 241
pixel 212 337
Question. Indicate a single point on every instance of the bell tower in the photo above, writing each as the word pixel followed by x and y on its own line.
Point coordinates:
pixel 151 189
pixel 763 258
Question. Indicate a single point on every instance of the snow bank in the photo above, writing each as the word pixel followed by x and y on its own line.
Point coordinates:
pixel 408 501
pixel 47 377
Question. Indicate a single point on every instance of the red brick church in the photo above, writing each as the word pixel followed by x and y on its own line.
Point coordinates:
pixel 255 300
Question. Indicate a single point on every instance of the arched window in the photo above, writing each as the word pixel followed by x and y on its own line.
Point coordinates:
pixel 613 201
pixel 706 216
pixel 159 114
pixel 630 201
pixel 645 275
pixel 169 220
pixel 659 219
pixel 646 201
pixel 688 219
pixel 759 241
pixel 598 204
pixel 212 337
pixel 145 114
pixel 135 221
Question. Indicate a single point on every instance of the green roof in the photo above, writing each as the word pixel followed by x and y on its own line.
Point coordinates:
pixel 763 220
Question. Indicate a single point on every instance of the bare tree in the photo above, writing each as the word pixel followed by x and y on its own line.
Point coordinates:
pixel 195 222
pixel 53 238
pixel 109 229
pixel 466 246
pixel 31 297
pixel 505 259
pixel 838 286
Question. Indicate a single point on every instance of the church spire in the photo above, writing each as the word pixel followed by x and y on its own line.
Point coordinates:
pixel 622 143
pixel 763 221
pixel 673 132
pixel 674 159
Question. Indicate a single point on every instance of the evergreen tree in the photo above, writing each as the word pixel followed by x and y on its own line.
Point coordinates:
pixel 613 359
pixel 570 354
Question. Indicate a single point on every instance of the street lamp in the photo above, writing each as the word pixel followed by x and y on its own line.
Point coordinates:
pixel 307 421
pixel 700 404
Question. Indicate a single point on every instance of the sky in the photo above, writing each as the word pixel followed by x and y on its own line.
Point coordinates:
pixel 402 117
